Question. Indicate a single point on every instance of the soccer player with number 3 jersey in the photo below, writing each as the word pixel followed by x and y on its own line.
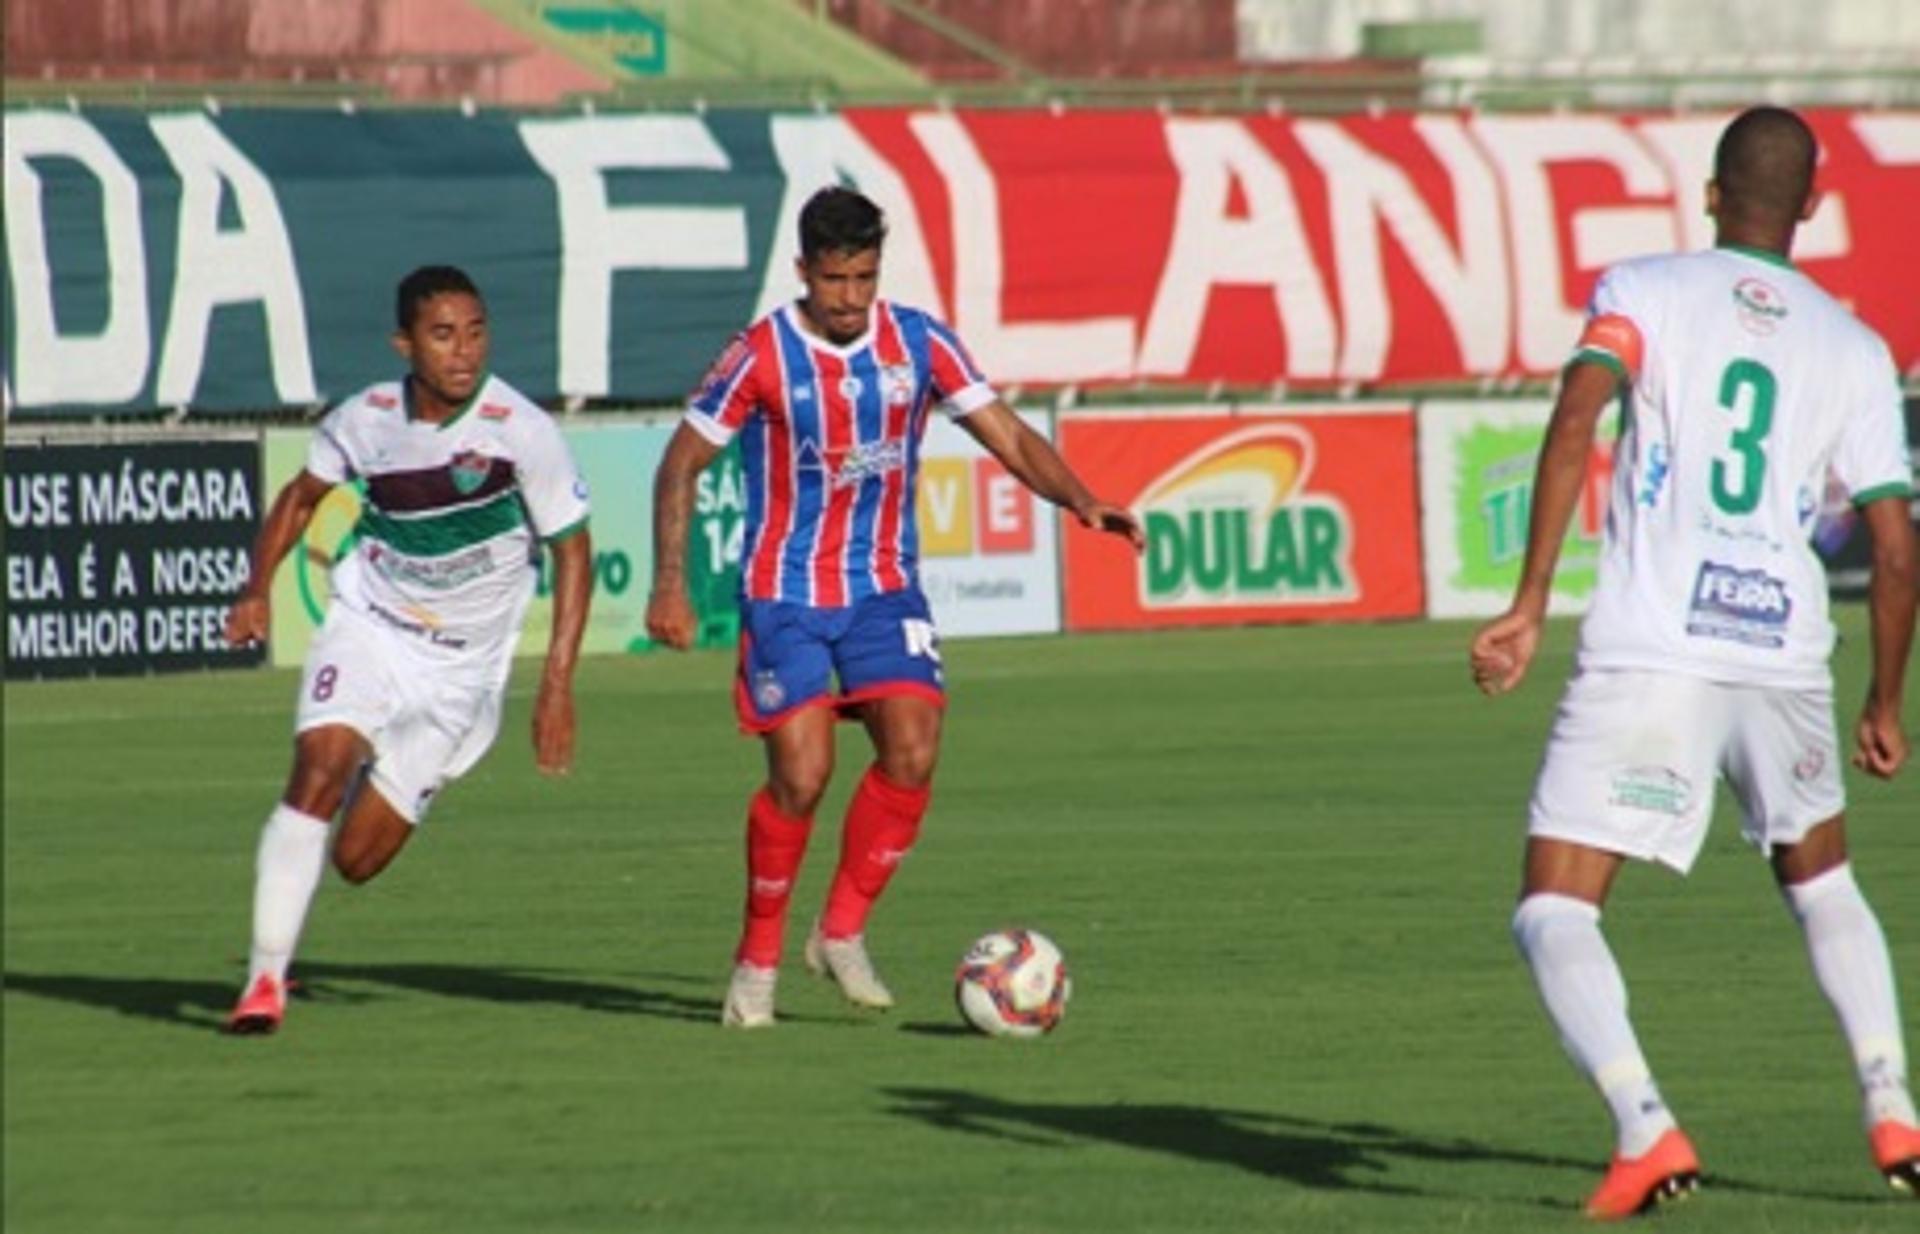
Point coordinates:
pixel 829 397
pixel 1705 653
pixel 465 481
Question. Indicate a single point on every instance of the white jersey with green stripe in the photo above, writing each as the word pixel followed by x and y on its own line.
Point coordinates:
pixel 1748 392
pixel 452 512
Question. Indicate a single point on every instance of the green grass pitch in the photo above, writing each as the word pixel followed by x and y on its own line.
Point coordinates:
pixel 1281 863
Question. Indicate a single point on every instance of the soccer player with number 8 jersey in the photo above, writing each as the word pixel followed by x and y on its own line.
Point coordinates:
pixel 1705 652
pixel 829 397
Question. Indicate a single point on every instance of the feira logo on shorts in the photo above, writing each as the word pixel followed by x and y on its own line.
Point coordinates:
pixel 1233 523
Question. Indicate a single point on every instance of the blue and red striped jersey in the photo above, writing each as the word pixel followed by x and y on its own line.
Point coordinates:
pixel 830 447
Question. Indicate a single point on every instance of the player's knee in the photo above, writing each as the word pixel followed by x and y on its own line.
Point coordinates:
pixel 911 764
pixel 357 865
pixel 316 789
pixel 796 791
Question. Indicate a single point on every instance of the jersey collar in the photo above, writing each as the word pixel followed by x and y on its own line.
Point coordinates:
pixel 479 388
pixel 797 321
pixel 1767 255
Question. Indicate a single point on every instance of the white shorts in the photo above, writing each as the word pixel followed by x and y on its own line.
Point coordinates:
pixel 428 717
pixel 1631 764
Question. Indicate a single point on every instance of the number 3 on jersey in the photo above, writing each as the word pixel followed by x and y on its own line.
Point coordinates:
pixel 1747 386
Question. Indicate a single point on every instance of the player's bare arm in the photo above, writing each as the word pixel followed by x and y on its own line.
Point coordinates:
pixel 1035 463
pixel 1505 646
pixel 292 510
pixel 1880 737
pixel 670 618
pixel 553 718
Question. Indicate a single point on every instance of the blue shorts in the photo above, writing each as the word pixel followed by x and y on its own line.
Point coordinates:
pixel 789 654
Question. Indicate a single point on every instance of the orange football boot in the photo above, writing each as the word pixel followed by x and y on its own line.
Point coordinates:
pixel 1668 1171
pixel 1896 1150
pixel 260 1009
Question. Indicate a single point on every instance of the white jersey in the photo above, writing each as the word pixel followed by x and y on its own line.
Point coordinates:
pixel 1746 386
pixel 447 533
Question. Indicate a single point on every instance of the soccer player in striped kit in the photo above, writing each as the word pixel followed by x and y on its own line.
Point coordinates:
pixel 1705 652
pixel 829 396
pixel 467 482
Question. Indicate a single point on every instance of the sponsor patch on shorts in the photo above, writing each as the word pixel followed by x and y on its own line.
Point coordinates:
pixel 1657 790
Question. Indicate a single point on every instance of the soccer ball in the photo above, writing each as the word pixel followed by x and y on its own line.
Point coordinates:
pixel 1013 983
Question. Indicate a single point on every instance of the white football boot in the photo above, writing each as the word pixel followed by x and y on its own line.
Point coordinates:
pixel 846 961
pixel 749 998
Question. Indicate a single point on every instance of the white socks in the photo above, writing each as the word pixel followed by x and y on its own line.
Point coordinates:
pixel 293 852
pixel 1580 985
pixel 1850 962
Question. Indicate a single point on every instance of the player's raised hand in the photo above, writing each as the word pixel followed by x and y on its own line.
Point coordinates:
pixel 1880 743
pixel 1503 649
pixel 670 618
pixel 247 620
pixel 553 728
pixel 1099 516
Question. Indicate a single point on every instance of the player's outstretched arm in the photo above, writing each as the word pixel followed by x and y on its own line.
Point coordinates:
pixel 553 718
pixel 247 620
pixel 1891 596
pixel 670 618
pixel 1035 463
pixel 1504 647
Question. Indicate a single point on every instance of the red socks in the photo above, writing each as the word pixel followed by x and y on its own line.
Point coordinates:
pixel 882 821
pixel 775 845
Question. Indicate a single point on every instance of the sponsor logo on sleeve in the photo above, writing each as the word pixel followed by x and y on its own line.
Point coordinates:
pixel 495 411
pixel 1741 606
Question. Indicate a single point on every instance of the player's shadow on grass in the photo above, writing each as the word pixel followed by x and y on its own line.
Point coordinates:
pixel 201 1004
pixel 506 985
pixel 1305 1152
pixel 204 1004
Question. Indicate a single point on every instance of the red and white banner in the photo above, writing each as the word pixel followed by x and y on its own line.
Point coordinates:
pixel 1097 246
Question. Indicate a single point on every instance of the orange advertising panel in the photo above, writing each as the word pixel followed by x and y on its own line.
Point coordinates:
pixel 1268 515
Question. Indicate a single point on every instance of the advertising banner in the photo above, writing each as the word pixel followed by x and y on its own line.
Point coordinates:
pixel 1477 461
pixel 124 558
pixel 1274 514
pixel 618 462
pixel 246 259
pixel 988 556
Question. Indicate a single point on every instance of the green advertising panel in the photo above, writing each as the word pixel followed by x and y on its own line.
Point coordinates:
pixel 618 461
pixel 1477 465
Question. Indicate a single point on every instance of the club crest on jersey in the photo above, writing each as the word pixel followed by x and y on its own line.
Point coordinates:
pixel 850 387
pixel 897 381
pixel 469 469
pixel 1759 304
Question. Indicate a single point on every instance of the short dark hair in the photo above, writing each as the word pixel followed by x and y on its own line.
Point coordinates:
pixel 423 285
pixel 1764 165
pixel 840 220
